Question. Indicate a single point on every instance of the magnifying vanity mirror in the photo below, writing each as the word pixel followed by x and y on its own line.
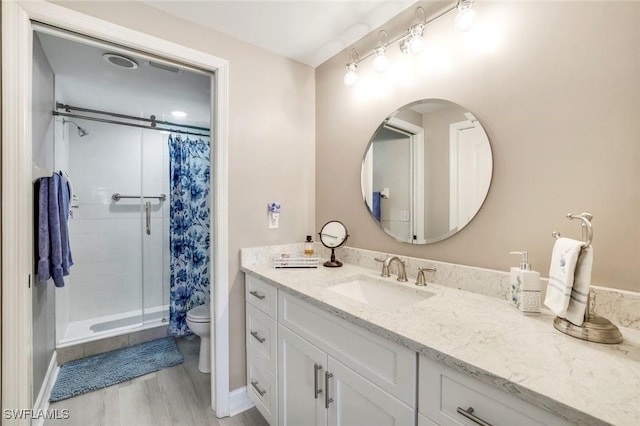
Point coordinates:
pixel 426 171
pixel 333 235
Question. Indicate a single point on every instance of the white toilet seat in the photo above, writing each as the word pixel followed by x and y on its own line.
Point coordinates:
pixel 199 314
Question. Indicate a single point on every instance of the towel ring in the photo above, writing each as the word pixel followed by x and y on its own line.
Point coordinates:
pixel 594 328
pixel 587 228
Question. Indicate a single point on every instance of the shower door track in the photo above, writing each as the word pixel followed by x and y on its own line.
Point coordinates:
pixel 122 123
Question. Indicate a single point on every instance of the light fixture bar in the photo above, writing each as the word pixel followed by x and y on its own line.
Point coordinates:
pixel 406 34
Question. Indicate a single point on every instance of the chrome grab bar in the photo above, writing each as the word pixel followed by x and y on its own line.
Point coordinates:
pixel 118 196
pixel 468 413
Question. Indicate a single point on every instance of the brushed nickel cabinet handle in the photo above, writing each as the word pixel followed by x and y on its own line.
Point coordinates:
pixel 257 295
pixel 316 369
pixel 468 413
pixel 262 392
pixel 327 400
pixel 257 336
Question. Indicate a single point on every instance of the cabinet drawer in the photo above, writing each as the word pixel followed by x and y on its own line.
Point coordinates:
pixel 262 389
pixel 261 295
pixel 386 364
pixel 262 337
pixel 443 390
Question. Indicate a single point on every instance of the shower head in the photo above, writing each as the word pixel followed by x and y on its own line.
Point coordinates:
pixel 81 132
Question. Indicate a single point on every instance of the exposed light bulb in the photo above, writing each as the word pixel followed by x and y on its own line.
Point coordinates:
pixel 414 43
pixel 466 15
pixel 380 62
pixel 464 19
pixel 351 78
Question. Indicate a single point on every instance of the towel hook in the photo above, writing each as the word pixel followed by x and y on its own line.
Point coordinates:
pixel 587 228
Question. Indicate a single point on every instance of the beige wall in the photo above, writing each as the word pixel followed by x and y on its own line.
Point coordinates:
pixel 558 93
pixel 271 141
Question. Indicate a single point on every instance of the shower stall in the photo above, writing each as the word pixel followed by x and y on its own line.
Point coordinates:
pixel 113 113
pixel 119 230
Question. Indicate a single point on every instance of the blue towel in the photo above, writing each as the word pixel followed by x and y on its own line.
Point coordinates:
pixel 43 230
pixel 376 205
pixel 54 250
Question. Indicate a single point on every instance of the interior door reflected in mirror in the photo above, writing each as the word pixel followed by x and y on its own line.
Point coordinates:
pixel 426 171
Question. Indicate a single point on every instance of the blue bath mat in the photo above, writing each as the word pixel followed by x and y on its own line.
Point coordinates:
pixel 110 368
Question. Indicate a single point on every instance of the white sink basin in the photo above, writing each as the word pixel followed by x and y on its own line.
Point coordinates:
pixel 380 294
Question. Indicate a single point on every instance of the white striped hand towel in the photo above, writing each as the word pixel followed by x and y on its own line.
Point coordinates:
pixel 580 290
pixel 564 259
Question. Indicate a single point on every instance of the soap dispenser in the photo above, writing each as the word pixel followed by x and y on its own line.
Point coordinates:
pixel 525 286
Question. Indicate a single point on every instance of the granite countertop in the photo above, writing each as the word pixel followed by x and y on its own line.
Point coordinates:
pixel 485 337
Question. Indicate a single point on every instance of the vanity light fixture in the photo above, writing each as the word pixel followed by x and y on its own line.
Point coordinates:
pixel 381 62
pixel 411 41
pixel 465 16
pixel 351 77
pixel 413 44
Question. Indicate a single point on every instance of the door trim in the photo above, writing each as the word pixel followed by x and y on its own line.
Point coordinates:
pixel 17 190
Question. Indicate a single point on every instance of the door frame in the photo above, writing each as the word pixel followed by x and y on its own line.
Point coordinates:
pixel 16 194
pixel 454 137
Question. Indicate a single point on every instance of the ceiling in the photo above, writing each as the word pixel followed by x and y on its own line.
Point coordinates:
pixel 306 31
pixel 84 79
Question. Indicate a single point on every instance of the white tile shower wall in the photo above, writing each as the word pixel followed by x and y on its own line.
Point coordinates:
pixel 106 236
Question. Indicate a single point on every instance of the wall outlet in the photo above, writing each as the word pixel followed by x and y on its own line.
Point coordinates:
pixel 404 215
pixel 274 219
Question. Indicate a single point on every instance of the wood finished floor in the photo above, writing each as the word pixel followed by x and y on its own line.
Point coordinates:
pixel 178 395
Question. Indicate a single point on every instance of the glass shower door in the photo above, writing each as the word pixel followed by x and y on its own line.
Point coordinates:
pixel 103 292
pixel 155 226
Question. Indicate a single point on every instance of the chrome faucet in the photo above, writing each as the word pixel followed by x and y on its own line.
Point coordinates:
pixel 402 273
pixel 420 279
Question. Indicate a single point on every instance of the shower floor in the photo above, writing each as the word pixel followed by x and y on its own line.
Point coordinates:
pixel 112 325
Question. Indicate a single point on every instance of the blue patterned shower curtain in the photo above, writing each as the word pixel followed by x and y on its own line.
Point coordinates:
pixel 189 229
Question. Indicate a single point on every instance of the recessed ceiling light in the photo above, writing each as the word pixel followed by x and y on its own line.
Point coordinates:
pixel 179 114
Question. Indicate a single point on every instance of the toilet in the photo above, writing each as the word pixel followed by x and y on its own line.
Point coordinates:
pixel 199 322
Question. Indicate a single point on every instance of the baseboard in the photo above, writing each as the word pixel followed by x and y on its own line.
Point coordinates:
pixel 239 401
pixel 42 401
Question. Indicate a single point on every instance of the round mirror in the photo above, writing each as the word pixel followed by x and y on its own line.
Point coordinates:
pixel 333 235
pixel 426 171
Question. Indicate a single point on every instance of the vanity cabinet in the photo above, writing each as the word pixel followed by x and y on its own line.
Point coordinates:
pixel 450 398
pixel 261 330
pixel 306 366
pixel 315 389
pixel 331 372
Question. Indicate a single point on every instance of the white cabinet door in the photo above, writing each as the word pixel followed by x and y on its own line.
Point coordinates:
pixel 301 370
pixel 354 401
